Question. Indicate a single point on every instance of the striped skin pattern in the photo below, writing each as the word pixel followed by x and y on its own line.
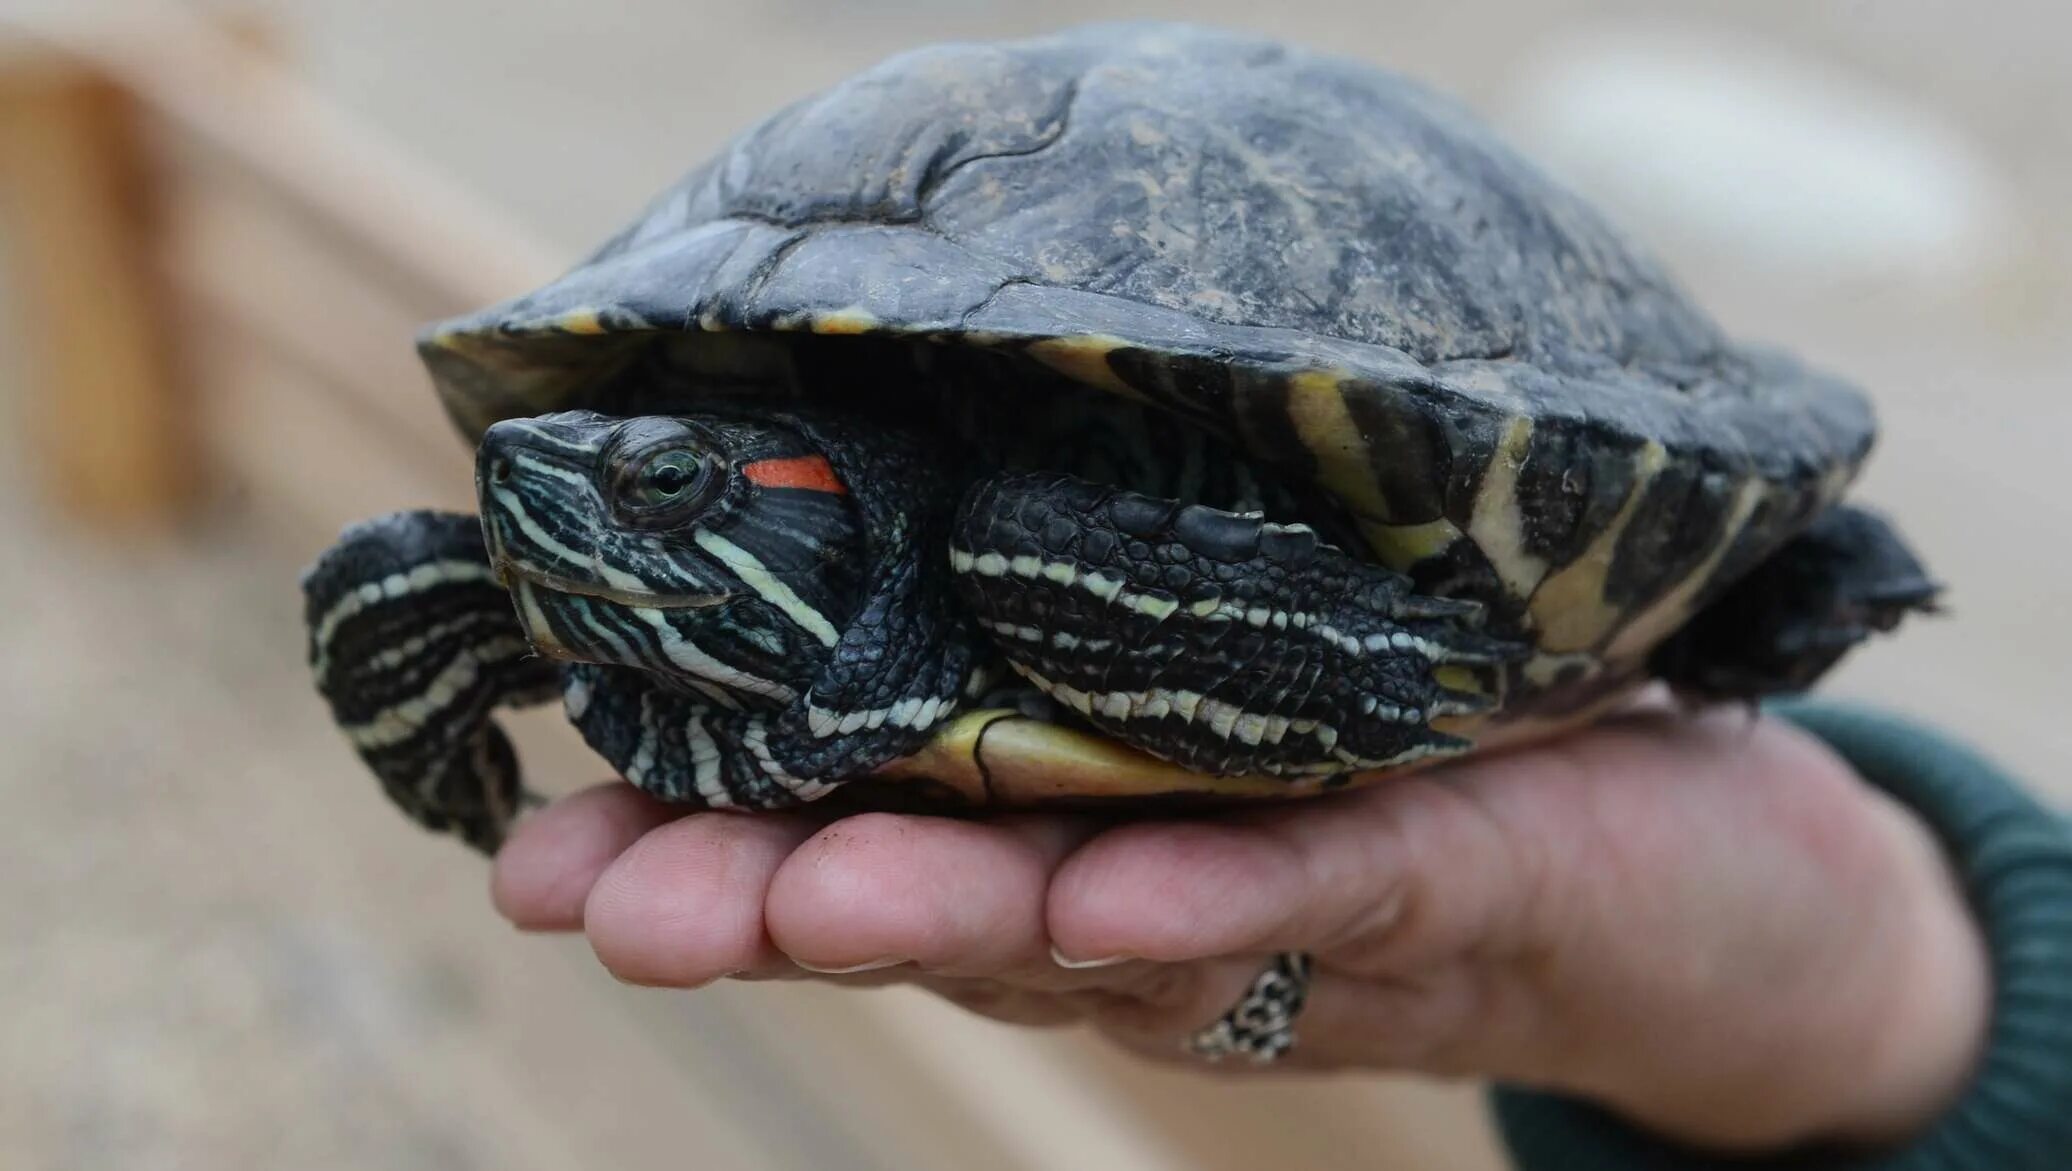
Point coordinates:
pixel 1219 641
pixel 413 644
pixel 772 628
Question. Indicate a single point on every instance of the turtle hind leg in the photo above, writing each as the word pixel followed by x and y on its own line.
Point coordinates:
pixel 413 643
pixel 1793 617
pixel 1220 641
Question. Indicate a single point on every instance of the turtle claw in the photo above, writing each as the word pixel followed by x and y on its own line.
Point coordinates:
pixel 1461 703
pixel 1465 648
pixel 1426 607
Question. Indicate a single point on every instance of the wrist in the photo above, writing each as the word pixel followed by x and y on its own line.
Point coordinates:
pixel 1924 1044
pixel 2014 857
pixel 1867 1035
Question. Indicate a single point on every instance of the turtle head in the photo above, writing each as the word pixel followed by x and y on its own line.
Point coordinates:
pixel 720 551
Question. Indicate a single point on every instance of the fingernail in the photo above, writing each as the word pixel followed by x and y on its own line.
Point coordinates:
pixel 866 966
pixel 1064 961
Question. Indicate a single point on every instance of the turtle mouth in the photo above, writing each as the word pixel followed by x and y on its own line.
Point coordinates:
pixel 510 571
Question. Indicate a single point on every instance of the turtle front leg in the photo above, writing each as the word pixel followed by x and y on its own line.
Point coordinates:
pixel 690 750
pixel 413 644
pixel 686 748
pixel 1216 640
pixel 903 665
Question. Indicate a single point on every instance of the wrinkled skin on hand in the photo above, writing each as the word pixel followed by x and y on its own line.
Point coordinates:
pixel 1707 923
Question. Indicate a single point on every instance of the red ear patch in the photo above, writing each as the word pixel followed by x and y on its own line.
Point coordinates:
pixel 811 472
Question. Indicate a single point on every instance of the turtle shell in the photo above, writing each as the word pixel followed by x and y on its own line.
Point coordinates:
pixel 1340 271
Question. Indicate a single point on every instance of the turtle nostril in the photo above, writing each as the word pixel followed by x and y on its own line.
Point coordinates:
pixel 499 471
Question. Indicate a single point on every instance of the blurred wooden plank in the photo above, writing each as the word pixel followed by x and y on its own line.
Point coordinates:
pixel 204 80
pixel 249 261
pixel 105 413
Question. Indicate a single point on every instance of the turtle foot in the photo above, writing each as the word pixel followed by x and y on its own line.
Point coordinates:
pixel 1782 627
pixel 413 643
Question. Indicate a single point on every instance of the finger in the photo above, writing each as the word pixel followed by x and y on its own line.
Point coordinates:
pixel 953 897
pixel 1395 876
pixel 1446 1023
pixel 1406 870
pixel 543 874
pixel 683 906
pixel 1471 855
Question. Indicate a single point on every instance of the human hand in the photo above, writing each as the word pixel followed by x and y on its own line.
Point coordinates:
pixel 1708 924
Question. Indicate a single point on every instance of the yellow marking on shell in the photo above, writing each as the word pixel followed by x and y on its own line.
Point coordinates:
pixel 1084 358
pixel 580 321
pixel 456 340
pixel 1569 607
pixel 853 320
pixel 1498 523
pixel 1316 407
pixel 1671 610
pixel 1401 546
pixel 1544 670
pixel 1467 680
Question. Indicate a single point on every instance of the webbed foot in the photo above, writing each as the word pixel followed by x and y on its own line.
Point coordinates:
pixel 1792 618
pixel 413 643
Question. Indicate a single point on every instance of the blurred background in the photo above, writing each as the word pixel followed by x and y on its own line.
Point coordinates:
pixel 219 226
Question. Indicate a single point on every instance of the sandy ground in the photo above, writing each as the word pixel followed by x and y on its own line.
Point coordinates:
pixel 222 953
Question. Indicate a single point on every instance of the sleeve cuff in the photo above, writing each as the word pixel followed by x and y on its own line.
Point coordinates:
pixel 2015 859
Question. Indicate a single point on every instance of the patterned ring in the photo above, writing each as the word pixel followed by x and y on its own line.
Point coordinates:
pixel 1261 1026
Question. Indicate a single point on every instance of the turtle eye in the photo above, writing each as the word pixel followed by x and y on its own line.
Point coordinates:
pixel 666 484
pixel 666 477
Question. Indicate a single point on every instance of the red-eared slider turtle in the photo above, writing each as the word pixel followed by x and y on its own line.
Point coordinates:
pixel 1136 412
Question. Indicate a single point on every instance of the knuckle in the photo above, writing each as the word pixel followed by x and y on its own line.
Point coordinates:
pixel 1368 894
pixel 1448 869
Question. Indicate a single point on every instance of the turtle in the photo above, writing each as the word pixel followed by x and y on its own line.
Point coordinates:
pixel 1139 413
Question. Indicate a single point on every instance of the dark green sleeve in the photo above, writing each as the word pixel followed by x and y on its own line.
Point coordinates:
pixel 2015 858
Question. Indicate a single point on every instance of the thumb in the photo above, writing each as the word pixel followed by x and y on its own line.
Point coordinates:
pixel 1378 883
